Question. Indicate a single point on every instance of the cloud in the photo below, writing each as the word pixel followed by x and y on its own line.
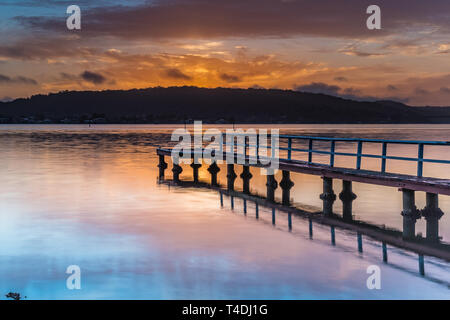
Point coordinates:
pixel 445 90
pixel 6 99
pixel 17 80
pixel 45 48
pixel 346 93
pixel 175 73
pixel 353 50
pixel 391 87
pixel 319 87
pixel 92 77
pixel 229 77
pixel 341 79
pixel 202 19
pixel 421 91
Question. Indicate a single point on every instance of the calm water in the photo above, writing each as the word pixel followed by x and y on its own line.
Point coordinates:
pixel 73 195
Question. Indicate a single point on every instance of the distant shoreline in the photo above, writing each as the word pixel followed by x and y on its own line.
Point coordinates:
pixel 179 105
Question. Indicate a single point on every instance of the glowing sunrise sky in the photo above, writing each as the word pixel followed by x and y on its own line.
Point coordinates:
pixel 319 46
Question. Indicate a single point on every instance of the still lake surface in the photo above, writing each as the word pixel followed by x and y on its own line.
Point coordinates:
pixel 74 195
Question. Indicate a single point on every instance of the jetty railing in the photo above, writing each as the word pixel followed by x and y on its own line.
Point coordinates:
pixel 359 155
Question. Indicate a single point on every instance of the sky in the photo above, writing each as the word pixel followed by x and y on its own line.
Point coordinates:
pixel 305 45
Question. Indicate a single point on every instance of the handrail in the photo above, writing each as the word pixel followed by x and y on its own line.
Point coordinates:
pixel 359 153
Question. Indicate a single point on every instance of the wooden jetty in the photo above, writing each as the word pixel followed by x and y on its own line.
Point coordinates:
pixel 408 184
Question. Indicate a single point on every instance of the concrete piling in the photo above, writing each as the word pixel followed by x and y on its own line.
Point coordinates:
pixel 246 176
pixel 347 197
pixel 162 166
pixel 328 196
pixel 432 214
pixel 231 176
pixel 176 170
pixel 213 170
pixel 271 185
pixel 195 167
pixel 286 184
pixel 410 214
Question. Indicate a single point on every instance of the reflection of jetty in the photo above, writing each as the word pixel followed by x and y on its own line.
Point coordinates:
pixel 278 211
pixel 293 145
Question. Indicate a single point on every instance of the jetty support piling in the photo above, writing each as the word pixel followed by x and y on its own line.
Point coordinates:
pixel 432 214
pixel 162 166
pixel 286 185
pixel 328 196
pixel 213 170
pixel 271 185
pixel 410 214
pixel 347 197
pixel 195 167
pixel 231 176
pixel 176 170
pixel 246 176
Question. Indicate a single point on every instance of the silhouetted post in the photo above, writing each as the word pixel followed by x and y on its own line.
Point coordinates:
pixel 310 228
pixel 347 197
pixel 290 221
pixel 421 265
pixel 273 216
pixel 213 170
pixel 333 236
pixel 385 255
pixel 195 167
pixel 162 166
pixel 432 214
pixel 410 214
pixel 271 186
pixel 231 176
pixel 328 197
pixel 176 170
pixel 246 176
pixel 286 184
pixel 256 210
pixel 360 244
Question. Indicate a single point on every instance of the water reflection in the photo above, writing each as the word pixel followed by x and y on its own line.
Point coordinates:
pixel 73 195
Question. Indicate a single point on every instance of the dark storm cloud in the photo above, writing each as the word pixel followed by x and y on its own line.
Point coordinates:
pixel 95 78
pixel 45 48
pixel 346 93
pixel 177 74
pixel 209 19
pixel 341 79
pixel 421 91
pixel 391 87
pixel 319 87
pixel 229 77
pixel 17 80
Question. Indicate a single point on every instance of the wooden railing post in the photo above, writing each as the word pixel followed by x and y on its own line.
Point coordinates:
pixel 420 161
pixel 332 148
pixel 358 155
pixel 289 148
pixel 383 160
pixel 310 146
